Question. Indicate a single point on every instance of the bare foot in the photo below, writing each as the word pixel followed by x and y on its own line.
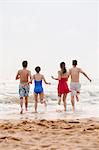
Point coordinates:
pixel 21 112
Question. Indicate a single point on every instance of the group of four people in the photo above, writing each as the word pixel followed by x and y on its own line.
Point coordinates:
pixel 26 78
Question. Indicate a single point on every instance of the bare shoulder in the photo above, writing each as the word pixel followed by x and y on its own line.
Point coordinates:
pixel 59 72
pixel 79 69
pixel 42 76
pixel 28 71
pixel 19 71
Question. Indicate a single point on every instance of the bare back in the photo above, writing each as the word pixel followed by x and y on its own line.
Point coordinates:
pixel 74 73
pixel 38 76
pixel 24 75
pixel 61 75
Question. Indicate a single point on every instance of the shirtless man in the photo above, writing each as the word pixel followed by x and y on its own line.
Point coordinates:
pixel 25 76
pixel 75 86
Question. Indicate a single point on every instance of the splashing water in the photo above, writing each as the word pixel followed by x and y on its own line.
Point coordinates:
pixel 88 106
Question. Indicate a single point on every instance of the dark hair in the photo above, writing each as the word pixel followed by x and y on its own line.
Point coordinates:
pixel 62 66
pixel 74 62
pixel 24 64
pixel 37 69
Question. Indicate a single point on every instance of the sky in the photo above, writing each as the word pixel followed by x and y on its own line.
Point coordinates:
pixel 46 33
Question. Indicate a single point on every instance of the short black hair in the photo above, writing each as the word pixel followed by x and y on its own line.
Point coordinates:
pixel 37 69
pixel 74 62
pixel 24 64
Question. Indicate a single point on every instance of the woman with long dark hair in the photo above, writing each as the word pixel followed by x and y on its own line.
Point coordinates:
pixel 62 89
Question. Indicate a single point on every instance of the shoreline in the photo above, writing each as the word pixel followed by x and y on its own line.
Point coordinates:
pixel 42 134
pixel 59 114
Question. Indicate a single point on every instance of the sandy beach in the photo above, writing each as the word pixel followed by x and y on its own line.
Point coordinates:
pixel 69 134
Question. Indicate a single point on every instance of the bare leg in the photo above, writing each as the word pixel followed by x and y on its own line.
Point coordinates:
pixel 59 99
pixel 36 101
pixel 64 101
pixel 21 104
pixel 42 100
pixel 45 103
pixel 72 101
pixel 41 95
pixel 77 98
pixel 26 102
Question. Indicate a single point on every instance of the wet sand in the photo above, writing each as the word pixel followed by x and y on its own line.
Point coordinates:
pixel 69 134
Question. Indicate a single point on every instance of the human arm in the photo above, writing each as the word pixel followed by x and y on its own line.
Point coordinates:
pixel 69 73
pixel 17 76
pixel 31 79
pixel 59 75
pixel 85 75
pixel 54 78
pixel 45 80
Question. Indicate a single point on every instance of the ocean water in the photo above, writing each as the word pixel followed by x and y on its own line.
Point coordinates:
pixel 87 107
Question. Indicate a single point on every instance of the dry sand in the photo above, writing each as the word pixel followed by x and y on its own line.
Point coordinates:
pixel 79 134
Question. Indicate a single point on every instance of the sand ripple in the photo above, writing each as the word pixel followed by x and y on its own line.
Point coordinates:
pixel 49 135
